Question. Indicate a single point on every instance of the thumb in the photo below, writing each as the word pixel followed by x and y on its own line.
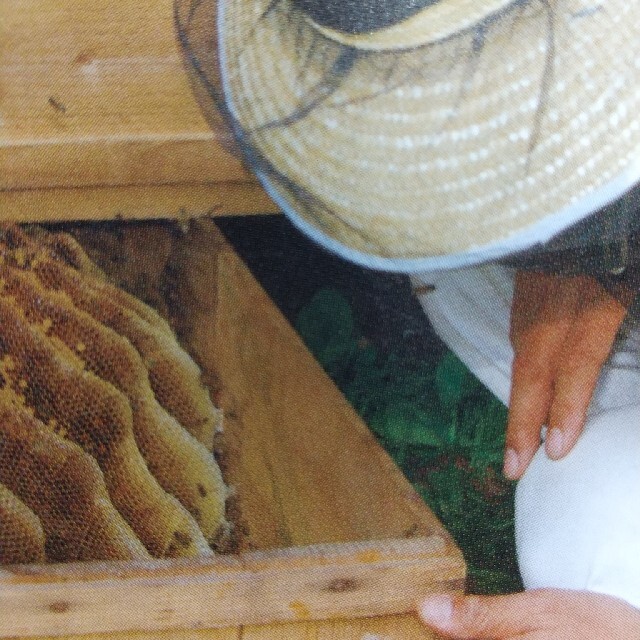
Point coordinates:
pixel 471 617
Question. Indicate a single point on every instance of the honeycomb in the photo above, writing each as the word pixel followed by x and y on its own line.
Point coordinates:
pixel 105 427
pixel 21 534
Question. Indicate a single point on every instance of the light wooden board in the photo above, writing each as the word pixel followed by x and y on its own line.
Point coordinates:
pixel 333 529
pixel 178 202
pixel 232 633
pixel 401 627
pixel 96 94
pixel 302 584
pixel 316 472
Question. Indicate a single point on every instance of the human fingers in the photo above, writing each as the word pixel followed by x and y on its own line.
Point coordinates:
pixel 483 617
pixel 530 293
pixel 531 394
pixel 544 614
pixel 543 312
pixel 589 342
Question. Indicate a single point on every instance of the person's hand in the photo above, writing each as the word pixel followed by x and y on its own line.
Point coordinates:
pixel 562 330
pixel 533 615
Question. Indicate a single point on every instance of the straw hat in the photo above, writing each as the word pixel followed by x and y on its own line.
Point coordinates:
pixel 426 134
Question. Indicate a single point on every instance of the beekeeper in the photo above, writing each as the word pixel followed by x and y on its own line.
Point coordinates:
pixel 489 148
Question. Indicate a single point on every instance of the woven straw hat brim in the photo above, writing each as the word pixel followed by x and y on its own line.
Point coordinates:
pixel 451 153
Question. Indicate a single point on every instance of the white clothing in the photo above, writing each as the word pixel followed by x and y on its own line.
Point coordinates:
pixel 577 519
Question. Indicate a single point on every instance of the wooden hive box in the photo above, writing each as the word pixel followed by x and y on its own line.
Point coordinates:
pixel 98 122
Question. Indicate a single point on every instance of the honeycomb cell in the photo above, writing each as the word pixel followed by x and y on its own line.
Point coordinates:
pixel 63 488
pixel 21 536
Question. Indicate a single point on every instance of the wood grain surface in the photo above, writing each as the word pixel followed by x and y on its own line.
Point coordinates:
pixel 315 470
pixel 400 627
pixel 95 94
pixel 176 202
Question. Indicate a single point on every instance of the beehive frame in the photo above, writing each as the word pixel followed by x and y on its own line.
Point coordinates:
pixel 336 528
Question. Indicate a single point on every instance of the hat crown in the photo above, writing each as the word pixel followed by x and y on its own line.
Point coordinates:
pixel 469 130
pixel 361 16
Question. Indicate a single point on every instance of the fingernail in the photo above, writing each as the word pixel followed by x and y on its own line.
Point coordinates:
pixel 437 610
pixel 511 464
pixel 555 443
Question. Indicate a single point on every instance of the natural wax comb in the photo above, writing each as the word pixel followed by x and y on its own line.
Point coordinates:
pixel 80 373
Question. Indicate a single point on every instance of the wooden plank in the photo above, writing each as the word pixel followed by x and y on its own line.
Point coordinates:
pixel 134 203
pixel 95 93
pixel 234 633
pixel 401 627
pixel 307 467
pixel 293 584
pixel 47 163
